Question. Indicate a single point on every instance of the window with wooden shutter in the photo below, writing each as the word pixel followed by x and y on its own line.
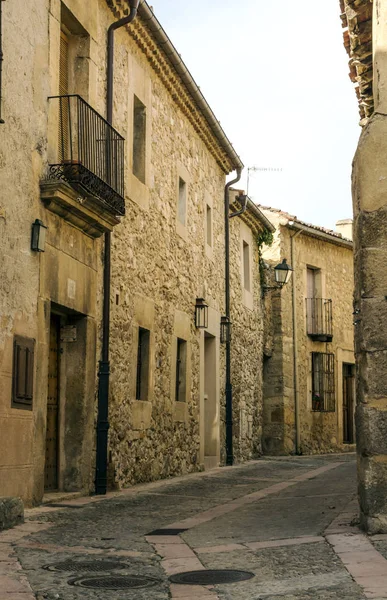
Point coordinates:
pixel 23 372
pixel 64 106
pixel 181 370
pixel 64 65
pixel 142 379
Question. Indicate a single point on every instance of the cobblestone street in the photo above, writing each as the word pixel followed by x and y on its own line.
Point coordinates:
pixel 289 521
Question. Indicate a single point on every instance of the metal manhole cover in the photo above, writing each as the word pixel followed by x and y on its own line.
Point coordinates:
pixel 211 577
pixel 88 566
pixel 114 582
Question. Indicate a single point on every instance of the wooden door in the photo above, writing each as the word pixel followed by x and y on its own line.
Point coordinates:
pixel 348 403
pixel 52 434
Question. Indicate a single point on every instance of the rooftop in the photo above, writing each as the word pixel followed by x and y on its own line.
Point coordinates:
pixel 292 219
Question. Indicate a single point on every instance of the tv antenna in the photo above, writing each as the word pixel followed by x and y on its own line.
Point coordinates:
pixel 264 169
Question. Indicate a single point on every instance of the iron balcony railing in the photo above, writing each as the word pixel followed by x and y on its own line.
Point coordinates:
pixel 90 152
pixel 319 319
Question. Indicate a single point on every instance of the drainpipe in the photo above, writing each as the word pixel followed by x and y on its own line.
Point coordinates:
pixel 229 441
pixel 243 200
pixel 295 349
pixel 104 364
pixel 1 57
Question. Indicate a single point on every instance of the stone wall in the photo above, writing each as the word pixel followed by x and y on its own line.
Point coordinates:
pixel 22 154
pixel 370 235
pixel 159 267
pixel 247 346
pixel 319 431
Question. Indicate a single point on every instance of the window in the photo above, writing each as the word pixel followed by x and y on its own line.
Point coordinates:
pixel 139 139
pixel 181 370
pixel 142 379
pixel 323 382
pixel 182 202
pixel 23 372
pixel 209 225
pixel 246 266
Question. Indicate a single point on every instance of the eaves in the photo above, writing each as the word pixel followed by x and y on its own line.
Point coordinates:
pixel 320 235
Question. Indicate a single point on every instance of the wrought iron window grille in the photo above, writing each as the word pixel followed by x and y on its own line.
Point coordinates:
pixel 90 153
pixel 319 319
pixel 323 382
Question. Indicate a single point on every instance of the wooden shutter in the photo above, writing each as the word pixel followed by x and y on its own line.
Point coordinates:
pixel 23 372
pixel 64 65
pixel 63 141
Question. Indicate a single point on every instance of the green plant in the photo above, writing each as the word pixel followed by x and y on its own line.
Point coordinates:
pixel 266 238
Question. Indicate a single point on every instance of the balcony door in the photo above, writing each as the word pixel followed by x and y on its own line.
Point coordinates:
pixel 312 294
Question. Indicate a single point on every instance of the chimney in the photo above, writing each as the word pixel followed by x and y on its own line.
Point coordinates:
pixel 345 228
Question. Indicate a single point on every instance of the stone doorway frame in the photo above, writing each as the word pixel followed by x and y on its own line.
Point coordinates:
pixel 77 394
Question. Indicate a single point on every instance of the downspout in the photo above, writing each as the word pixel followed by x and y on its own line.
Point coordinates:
pixel 296 385
pixel 242 199
pixel 229 440
pixel 104 365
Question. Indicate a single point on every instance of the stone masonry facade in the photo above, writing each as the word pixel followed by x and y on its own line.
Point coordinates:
pixel 291 373
pixel 167 409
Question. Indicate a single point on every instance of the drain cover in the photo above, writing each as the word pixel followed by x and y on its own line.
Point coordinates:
pixel 88 566
pixel 211 576
pixel 167 531
pixel 114 582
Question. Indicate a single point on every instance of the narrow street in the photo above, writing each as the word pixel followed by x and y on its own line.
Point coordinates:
pixel 289 521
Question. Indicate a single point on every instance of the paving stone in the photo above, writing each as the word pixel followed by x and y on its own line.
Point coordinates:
pixel 289 567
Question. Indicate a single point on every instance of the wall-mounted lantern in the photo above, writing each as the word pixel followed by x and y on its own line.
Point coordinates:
pixel 282 274
pixel 38 236
pixel 201 314
pixel 225 330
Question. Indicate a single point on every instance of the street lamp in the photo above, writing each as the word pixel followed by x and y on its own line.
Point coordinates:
pixel 201 314
pixel 225 330
pixel 282 274
pixel 38 236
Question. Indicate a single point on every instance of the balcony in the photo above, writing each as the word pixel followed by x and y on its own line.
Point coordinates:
pixel 88 156
pixel 319 319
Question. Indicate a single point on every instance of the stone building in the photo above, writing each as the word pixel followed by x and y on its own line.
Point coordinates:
pixel 365 36
pixel 152 187
pixel 309 365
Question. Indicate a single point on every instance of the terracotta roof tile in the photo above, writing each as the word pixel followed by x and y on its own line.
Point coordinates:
pixel 290 217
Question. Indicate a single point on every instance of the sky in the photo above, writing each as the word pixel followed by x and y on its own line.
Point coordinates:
pixel 276 76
